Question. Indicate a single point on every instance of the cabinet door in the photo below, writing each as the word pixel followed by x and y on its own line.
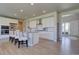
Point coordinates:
pixel 33 39
pixel 33 24
pixel 30 40
pixel 49 22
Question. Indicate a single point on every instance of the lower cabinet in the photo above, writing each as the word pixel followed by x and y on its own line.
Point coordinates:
pixel 33 39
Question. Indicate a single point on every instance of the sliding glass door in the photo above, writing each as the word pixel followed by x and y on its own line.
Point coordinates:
pixel 70 25
pixel 65 29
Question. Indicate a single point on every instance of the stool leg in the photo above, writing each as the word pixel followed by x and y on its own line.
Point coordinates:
pixel 16 40
pixel 18 44
pixel 12 40
pixel 26 43
pixel 22 42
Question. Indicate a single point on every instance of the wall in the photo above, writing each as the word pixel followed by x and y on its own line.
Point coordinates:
pixel 74 28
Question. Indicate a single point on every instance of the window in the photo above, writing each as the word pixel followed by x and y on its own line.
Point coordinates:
pixel 4 30
pixel 65 28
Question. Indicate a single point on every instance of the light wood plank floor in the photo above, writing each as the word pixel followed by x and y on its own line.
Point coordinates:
pixel 45 47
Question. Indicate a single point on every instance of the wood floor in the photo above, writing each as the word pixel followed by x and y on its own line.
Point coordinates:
pixel 45 47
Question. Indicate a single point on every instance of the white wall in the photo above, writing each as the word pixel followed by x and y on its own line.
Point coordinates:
pixel 74 27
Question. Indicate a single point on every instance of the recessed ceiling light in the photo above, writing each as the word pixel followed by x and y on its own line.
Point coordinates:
pixel 21 10
pixel 44 11
pixel 66 15
pixel 32 4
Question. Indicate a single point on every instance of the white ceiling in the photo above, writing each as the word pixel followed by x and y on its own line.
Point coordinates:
pixel 9 9
pixel 71 17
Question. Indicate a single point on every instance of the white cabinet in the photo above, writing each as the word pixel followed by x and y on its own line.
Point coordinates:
pixel 50 25
pixel 33 39
pixel 49 22
pixel 32 24
pixel 48 35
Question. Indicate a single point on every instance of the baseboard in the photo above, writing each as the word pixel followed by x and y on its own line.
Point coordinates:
pixel 47 39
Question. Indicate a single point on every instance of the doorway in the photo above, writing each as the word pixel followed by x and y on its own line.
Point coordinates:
pixel 70 26
pixel 65 29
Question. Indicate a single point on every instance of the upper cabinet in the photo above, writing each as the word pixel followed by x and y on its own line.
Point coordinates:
pixel 49 22
pixel 32 24
pixel 13 26
pixel 43 23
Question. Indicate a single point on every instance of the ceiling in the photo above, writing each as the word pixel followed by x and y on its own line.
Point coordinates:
pixel 26 10
pixel 71 17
